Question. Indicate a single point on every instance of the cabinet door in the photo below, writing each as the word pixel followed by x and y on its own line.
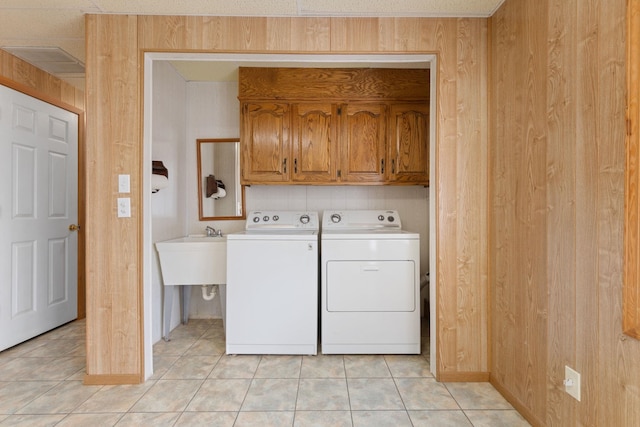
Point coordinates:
pixel 409 143
pixel 314 142
pixel 362 142
pixel 265 142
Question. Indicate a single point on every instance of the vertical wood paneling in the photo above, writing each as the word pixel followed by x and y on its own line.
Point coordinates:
pixel 461 139
pixel 471 221
pixel 114 253
pixel 354 34
pixel 518 217
pixel 23 73
pixel 619 358
pixel 502 306
pixel 587 339
pixel 446 165
pixel 556 193
pixel 278 34
pixel 632 176
pixel 311 34
pixel 561 251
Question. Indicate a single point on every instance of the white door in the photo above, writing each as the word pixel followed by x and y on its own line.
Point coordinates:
pixel 38 203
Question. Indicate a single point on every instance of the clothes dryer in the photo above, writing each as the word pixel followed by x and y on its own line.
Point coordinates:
pixel 370 291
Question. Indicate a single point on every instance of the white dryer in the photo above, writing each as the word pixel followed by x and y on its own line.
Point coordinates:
pixel 370 290
pixel 272 284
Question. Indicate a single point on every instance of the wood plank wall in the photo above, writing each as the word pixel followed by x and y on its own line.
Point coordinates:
pixel 22 76
pixel 47 86
pixel 115 46
pixel 114 248
pixel 631 306
pixel 557 159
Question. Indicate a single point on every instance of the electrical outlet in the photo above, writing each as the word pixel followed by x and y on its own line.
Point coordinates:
pixel 124 207
pixel 572 382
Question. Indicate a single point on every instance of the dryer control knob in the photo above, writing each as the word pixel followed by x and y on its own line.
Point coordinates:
pixel 336 218
pixel 380 217
pixel 391 219
pixel 305 219
pixel 265 218
pixel 256 218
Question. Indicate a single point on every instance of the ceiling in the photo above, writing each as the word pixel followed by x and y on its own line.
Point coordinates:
pixel 60 23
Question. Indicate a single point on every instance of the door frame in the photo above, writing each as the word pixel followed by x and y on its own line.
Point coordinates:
pixel 366 59
pixel 34 93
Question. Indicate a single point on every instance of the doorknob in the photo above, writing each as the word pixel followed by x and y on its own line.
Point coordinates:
pixel 74 227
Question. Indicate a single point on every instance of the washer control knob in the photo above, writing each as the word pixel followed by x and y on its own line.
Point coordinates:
pixel 391 218
pixel 380 217
pixel 336 218
pixel 276 217
pixel 305 219
pixel 265 218
pixel 256 219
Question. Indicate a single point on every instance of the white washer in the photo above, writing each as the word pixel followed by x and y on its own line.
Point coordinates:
pixel 272 284
pixel 370 290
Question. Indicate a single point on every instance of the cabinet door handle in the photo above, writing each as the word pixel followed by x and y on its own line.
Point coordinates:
pixel 285 165
pixel 393 166
pixel 382 166
pixel 295 165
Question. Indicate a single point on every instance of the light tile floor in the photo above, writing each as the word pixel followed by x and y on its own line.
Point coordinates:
pixel 196 384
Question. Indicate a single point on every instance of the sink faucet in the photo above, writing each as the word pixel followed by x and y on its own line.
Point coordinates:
pixel 212 232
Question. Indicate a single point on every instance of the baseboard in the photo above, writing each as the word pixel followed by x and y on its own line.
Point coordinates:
pixel 463 377
pixel 523 410
pixel 112 379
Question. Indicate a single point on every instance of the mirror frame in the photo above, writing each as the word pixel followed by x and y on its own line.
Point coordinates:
pixel 201 216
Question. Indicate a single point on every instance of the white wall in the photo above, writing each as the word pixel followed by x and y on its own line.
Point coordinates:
pixel 169 218
pixel 213 111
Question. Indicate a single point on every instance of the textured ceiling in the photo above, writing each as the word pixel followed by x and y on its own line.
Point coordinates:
pixel 60 23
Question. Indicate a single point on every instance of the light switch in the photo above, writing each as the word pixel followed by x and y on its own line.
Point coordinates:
pixel 124 183
pixel 124 207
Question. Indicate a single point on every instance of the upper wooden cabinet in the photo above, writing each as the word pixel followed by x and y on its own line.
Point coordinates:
pixel 334 126
pixel 409 143
pixel 265 142
pixel 314 142
pixel 362 143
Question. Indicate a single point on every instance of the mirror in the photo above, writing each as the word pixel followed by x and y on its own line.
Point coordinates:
pixel 220 195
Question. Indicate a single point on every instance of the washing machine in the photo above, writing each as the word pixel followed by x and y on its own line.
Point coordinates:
pixel 370 290
pixel 272 284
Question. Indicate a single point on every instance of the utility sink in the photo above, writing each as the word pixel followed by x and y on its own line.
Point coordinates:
pixel 191 260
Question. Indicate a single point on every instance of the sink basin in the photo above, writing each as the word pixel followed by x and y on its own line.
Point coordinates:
pixel 193 260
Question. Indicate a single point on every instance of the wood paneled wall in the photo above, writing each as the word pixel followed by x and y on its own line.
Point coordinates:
pixel 557 141
pixel 22 76
pixel 48 87
pixel 115 48
pixel 114 245
pixel 631 303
